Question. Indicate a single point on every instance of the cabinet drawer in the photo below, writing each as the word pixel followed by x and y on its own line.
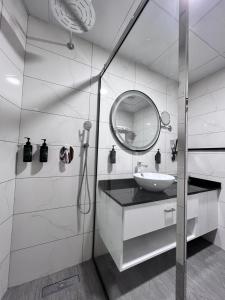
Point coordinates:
pixel 142 219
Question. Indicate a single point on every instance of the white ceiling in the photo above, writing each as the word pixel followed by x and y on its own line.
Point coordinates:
pixel 153 40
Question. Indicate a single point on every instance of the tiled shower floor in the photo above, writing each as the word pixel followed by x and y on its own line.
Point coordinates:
pixel 88 287
pixel 153 280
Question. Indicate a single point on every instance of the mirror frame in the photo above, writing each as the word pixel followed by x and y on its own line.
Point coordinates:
pixel 112 112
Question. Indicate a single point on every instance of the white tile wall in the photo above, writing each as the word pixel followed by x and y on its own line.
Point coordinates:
pixel 162 91
pixel 56 102
pixel 12 45
pixel 206 129
pixel 54 39
pixel 46 65
pixel 35 262
pixel 6 199
pixel 45 226
pixel 59 94
pixel 4 271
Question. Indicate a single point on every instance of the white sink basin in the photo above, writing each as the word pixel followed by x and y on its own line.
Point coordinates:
pixel 154 182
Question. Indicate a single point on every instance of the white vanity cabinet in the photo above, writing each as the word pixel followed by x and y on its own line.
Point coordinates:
pixel 136 233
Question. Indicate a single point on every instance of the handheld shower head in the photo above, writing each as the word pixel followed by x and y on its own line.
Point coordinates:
pixel 87 125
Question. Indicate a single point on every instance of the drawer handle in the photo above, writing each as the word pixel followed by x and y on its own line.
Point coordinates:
pixel 169 210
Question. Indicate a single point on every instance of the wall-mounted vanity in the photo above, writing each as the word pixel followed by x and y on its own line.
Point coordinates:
pixel 136 225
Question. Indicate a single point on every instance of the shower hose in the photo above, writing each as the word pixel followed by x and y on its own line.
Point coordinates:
pixel 84 175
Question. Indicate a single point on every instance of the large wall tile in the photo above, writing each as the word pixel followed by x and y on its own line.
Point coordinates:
pixel 5 238
pixel 6 199
pixel 11 80
pixel 4 271
pixel 19 14
pixel 45 65
pixel 11 42
pixel 9 121
pixel 45 226
pixel 150 78
pixel 43 96
pixel 58 130
pixel 113 86
pixel 7 161
pixel 207 163
pixel 34 194
pixel 208 140
pixel 35 262
pixel 52 38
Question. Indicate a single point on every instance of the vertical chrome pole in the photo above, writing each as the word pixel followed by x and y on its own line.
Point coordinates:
pixel 181 250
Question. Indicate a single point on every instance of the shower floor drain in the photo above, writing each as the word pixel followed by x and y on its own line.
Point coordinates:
pixel 59 286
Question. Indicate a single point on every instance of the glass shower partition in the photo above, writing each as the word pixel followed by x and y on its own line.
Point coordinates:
pixel 135 230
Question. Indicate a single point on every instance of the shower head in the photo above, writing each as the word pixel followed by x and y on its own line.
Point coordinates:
pixel 75 15
pixel 87 125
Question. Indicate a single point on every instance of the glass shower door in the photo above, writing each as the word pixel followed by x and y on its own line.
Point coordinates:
pixel 135 225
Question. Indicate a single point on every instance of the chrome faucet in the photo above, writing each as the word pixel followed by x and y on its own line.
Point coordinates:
pixel 140 166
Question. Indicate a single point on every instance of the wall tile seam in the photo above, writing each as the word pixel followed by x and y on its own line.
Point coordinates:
pixel 66 86
pixel 206 93
pixel 190 117
pixel 206 153
pixel 206 133
pixel 8 141
pixel 207 175
pixel 46 243
pixel 49 209
pixel 55 114
pixel 25 15
pixel 57 84
pixel 81 234
pixel 11 61
pixel 57 54
pixel 131 81
pixel 4 259
pixel 6 220
pixel 7 180
pixel 4 99
pixel 48 177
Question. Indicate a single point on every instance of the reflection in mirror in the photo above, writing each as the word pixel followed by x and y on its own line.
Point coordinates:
pixel 135 121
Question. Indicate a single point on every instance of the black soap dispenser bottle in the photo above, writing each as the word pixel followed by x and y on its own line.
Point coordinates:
pixel 158 157
pixel 44 152
pixel 113 155
pixel 27 151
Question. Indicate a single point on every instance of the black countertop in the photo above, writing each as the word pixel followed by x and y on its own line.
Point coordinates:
pixel 126 192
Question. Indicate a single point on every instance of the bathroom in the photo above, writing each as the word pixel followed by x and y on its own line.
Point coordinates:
pixel 112 149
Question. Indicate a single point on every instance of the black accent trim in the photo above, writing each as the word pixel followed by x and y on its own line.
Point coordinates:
pixel 126 192
pixel 206 149
pixel 204 183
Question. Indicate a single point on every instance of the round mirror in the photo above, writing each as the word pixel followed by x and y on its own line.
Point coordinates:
pixel 165 118
pixel 135 121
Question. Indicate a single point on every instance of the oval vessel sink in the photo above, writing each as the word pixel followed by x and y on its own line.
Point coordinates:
pixel 154 182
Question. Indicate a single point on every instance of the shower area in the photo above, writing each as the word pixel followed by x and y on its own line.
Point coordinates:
pixel 112 149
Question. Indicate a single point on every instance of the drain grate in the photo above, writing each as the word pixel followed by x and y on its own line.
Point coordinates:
pixel 59 286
